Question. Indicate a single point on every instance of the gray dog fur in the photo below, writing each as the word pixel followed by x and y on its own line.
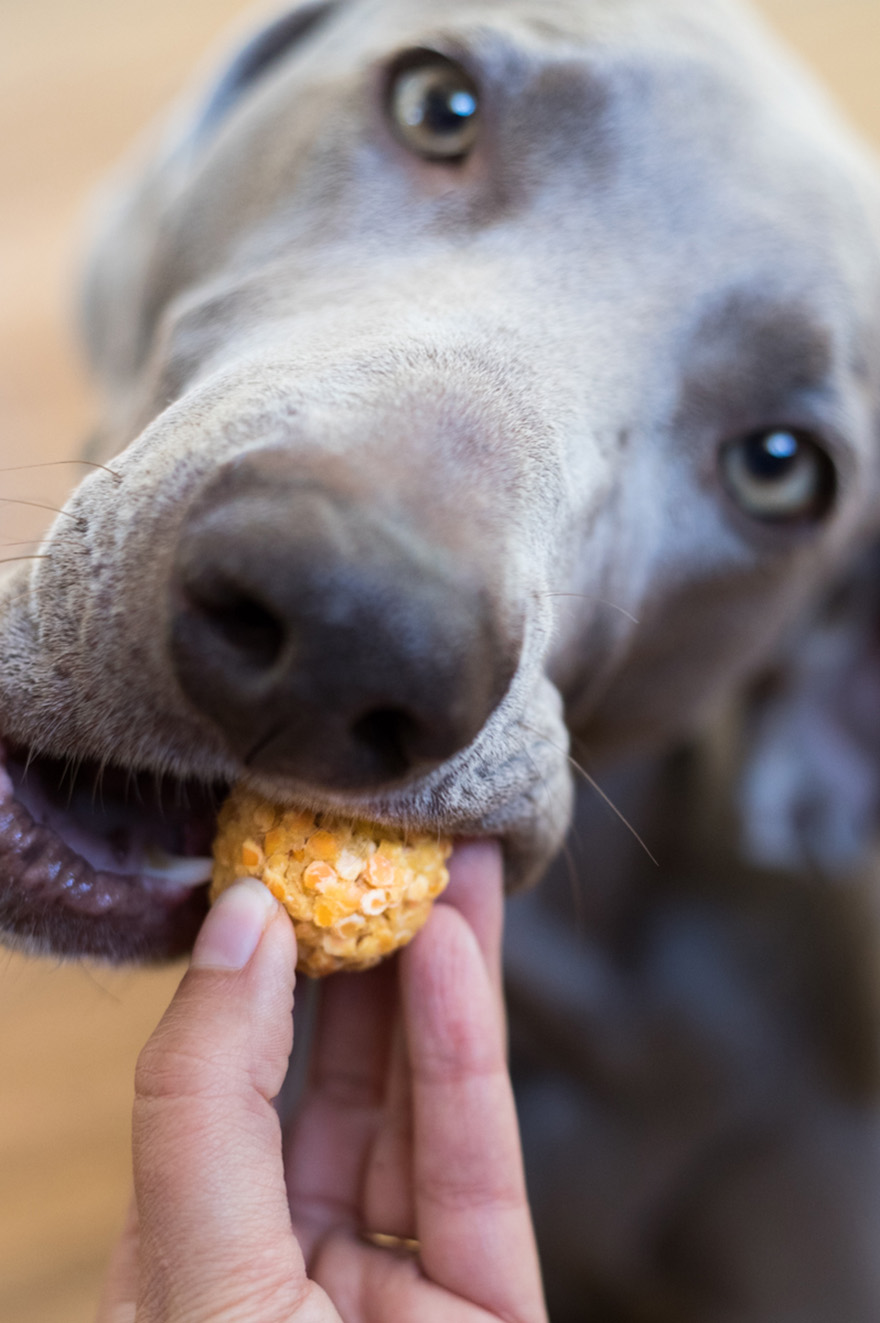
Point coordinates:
pixel 665 239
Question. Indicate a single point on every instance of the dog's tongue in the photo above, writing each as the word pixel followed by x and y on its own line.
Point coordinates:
pixel 52 897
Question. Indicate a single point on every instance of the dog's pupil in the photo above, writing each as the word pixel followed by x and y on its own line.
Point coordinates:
pixel 772 455
pixel 448 109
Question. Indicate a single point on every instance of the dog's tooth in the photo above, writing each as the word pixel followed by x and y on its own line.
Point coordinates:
pixel 174 869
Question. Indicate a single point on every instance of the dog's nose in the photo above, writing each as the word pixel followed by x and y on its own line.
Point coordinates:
pixel 327 643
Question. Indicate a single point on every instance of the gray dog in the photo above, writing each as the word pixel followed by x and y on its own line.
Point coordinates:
pixel 473 381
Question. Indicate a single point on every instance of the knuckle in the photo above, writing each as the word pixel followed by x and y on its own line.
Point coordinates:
pixel 262 1294
pixel 454 1068
pixel 246 1296
pixel 165 1072
pixel 459 1192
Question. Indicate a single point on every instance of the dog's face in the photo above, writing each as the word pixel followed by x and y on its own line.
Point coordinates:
pixel 475 379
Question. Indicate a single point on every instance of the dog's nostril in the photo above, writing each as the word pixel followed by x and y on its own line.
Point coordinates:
pixel 387 735
pixel 326 645
pixel 254 633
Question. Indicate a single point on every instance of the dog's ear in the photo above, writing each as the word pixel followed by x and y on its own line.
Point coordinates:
pixel 259 54
pixel 810 777
pixel 122 289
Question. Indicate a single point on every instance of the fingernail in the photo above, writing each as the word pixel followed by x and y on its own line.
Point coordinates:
pixel 231 933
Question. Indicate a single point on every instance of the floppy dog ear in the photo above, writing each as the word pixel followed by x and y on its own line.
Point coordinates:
pixel 257 57
pixel 120 289
pixel 810 787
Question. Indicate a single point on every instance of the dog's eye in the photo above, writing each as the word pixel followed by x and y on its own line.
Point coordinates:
pixel 434 107
pixel 780 477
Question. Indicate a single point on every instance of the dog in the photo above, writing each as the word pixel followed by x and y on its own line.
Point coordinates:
pixel 473 384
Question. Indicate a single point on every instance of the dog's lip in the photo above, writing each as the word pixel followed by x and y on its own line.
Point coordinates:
pixel 58 893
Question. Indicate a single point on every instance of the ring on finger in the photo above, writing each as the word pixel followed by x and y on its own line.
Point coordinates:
pixel 396 1244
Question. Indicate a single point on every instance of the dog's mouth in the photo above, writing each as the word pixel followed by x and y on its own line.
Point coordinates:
pixel 102 862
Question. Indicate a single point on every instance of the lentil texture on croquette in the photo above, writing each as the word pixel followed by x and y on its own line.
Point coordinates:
pixel 356 891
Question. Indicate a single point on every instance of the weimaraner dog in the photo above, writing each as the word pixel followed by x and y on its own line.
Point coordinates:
pixel 477 378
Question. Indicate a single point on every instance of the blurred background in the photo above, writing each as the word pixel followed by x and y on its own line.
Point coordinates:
pixel 78 80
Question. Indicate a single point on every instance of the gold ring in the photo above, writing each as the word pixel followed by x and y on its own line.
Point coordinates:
pixel 397 1244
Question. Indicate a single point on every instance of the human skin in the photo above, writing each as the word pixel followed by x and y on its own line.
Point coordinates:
pixel 407 1127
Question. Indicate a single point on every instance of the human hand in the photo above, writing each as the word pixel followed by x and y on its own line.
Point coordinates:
pixel 407 1127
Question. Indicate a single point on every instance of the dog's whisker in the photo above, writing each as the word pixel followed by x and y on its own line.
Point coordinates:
pixel 56 463
pixel 20 591
pixel 38 505
pixel 614 809
pixel 598 789
pixel 603 601
pixel 38 541
pixel 574 877
pixel 98 785
pixel 576 888
pixel 573 848
pixel 92 976
pixel 29 758
pixel 261 745
pixel 70 774
pixel 14 560
pixel 133 787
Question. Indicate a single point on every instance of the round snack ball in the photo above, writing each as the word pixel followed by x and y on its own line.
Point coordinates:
pixel 355 891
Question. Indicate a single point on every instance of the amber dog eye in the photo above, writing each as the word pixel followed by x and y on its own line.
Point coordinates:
pixel 434 107
pixel 780 477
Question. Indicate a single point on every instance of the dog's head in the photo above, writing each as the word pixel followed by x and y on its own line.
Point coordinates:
pixel 470 379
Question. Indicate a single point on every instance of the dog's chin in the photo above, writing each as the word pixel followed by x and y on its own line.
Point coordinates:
pixel 100 862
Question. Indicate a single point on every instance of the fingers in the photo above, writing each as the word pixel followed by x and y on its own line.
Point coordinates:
pixel 476 891
pixel 388 1200
pixel 348 1154
pixel 327 1147
pixel 471 1206
pixel 215 1235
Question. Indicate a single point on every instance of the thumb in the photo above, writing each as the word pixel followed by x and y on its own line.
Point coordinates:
pixel 215 1233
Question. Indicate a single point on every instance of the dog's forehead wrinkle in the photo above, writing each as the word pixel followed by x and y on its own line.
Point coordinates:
pixel 194 323
pixel 463 384
pixel 352 361
pixel 327 170
pixel 242 200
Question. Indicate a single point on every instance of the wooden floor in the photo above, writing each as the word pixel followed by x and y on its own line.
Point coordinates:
pixel 77 79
